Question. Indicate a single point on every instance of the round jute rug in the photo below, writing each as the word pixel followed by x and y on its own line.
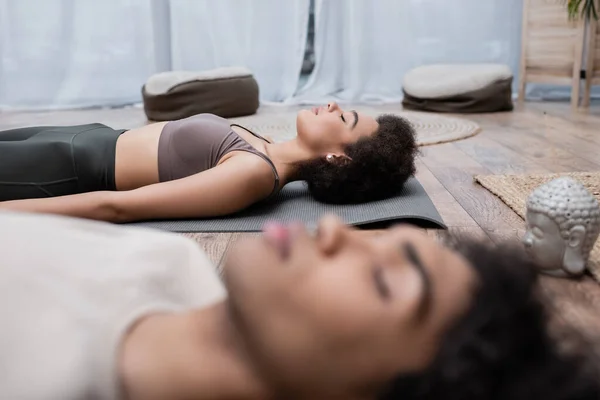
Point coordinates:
pixel 431 128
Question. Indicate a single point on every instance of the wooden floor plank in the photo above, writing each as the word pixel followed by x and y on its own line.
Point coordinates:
pixel 582 124
pixel 508 235
pixel 554 133
pixel 213 244
pixel 455 170
pixel 532 148
pixel 232 241
pixel 498 158
pixel 459 232
pixel 450 210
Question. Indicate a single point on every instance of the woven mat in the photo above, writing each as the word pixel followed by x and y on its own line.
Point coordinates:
pixel 431 128
pixel 515 189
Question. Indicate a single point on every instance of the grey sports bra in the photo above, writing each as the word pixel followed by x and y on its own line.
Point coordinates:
pixel 197 143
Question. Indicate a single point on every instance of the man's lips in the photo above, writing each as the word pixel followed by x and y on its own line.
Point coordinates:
pixel 278 235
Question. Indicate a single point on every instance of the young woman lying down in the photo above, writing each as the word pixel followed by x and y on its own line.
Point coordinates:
pixel 201 166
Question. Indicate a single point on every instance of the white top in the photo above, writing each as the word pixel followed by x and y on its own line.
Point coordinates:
pixel 443 80
pixel 70 288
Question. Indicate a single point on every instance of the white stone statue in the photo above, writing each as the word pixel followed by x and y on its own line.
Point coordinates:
pixel 563 223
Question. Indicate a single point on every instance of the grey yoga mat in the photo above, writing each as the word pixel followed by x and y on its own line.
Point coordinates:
pixel 294 203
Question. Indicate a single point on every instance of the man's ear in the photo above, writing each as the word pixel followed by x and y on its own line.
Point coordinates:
pixel 337 159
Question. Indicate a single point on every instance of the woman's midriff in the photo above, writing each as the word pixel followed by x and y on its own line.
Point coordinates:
pixel 136 162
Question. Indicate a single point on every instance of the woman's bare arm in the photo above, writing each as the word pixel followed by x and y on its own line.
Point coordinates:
pixel 93 205
pixel 227 188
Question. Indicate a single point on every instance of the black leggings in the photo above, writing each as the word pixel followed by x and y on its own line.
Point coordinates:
pixel 49 161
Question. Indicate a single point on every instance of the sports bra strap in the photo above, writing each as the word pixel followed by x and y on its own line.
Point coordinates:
pixel 264 157
pixel 252 133
pixel 276 184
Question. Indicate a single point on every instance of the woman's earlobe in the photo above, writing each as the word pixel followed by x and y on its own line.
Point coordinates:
pixel 337 159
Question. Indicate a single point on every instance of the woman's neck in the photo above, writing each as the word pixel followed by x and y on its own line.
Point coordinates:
pixel 286 156
pixel 183 356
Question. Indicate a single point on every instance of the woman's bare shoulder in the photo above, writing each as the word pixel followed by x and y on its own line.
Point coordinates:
pixel 255 169
pixel 252 165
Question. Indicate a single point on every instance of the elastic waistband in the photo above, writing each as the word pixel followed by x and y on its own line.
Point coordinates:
pixel 94 155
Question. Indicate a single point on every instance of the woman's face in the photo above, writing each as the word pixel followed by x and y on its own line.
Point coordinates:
pixel 342 311
pixel 328 129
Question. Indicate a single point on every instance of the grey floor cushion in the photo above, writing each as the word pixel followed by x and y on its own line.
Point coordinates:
pixel 459 88
pixel 227 92
pixel 294 203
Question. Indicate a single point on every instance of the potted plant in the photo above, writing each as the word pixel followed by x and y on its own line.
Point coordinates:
pixel 582 8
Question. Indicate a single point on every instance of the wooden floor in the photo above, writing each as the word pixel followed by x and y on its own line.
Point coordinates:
pixel 535 138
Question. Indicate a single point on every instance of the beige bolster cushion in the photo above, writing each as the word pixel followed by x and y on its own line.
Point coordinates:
pixel 459 88
pixel 227 92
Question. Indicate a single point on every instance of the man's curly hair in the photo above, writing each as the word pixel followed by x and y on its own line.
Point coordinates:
pixel 502 348
pixel 378 168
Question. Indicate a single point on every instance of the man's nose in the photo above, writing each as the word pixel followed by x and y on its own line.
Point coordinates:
pixel 331 233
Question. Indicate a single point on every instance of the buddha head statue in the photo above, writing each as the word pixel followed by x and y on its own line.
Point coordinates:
pixel 563 223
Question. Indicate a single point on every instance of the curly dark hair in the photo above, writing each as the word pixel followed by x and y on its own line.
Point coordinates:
pixel 503 347
pixel 379 166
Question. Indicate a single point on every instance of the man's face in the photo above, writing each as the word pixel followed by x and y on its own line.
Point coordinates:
pixel 343 310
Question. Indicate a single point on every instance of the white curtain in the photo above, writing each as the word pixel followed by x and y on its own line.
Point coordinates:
pixel 80 53
pixel 364 47
pixel 74 53
pixel 267 36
